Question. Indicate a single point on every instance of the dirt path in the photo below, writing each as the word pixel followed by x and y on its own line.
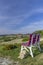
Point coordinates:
pixel 6 61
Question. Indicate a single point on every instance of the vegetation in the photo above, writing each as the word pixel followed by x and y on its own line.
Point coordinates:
pixel 13 50
pixel 14 53
pixel 14 36
pixel 25 39
pixel 9 50
pixel 40 32
pixel 6 38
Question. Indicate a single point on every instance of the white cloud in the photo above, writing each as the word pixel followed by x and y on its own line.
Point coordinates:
pixel 34 11
pixel 38 25
pixel 16 20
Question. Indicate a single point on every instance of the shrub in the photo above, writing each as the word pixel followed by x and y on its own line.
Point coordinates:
pixel 25 39
pixel 11 46
pixel 7 39
pixel 17 45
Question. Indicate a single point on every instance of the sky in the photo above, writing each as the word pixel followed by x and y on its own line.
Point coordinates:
pixel 21 16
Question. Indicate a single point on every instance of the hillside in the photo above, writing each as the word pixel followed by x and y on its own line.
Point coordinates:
pixel 40 32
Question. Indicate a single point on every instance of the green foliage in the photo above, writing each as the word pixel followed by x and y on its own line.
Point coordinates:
pixel 5 38
pixel 25 39
pixel 11 46
pixel 17 45
pixel 39 32
pixel 14 53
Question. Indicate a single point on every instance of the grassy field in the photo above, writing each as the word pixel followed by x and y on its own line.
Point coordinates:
pixel 12 51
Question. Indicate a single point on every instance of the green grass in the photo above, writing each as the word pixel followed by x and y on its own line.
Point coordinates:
pixel 6 39
pixel 14 53
pixel 25 39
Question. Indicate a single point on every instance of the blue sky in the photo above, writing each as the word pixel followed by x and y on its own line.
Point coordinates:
pixel 21 16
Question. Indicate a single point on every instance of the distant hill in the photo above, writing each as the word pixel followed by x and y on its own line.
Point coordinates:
pixel 9 37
